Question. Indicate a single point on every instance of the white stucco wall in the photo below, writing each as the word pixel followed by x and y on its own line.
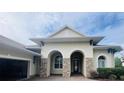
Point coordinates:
pixel 32 68
pixel 67 49
pixel 102 52
pixel 11 53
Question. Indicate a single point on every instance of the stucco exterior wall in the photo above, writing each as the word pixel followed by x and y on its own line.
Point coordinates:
pixel 67 49
pixel 103 52
pixel 32 68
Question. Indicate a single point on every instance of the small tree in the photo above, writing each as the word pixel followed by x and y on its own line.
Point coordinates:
pixel 118 62
pixel 122 58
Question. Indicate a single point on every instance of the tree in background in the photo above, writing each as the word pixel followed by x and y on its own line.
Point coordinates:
pixel 118 62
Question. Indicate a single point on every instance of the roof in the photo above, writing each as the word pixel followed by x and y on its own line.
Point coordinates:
pixel 48 40
pixel 81 38
pixel 8 43
pixel 66 27
pixel 117 48
pixel 33 47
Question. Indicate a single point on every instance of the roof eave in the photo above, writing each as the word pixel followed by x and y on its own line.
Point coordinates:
pixel 32 47
pixel 96 39
pixel 33 53
pixel 118 48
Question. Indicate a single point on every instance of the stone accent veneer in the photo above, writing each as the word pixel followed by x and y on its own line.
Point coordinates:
pixel 89 66
pixel 43 67
pixel 66 67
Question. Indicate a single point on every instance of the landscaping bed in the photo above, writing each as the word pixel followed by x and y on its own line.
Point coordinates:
pixel 108 74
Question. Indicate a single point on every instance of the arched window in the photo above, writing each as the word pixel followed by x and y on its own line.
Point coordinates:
pixel 101 62
pixel 58 62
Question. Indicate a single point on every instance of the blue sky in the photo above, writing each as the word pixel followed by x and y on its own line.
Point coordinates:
pixel 22 26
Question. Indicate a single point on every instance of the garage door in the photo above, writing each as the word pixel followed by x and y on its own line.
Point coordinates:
pixel 13 69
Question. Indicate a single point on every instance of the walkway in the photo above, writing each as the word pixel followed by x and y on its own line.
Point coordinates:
pixel 60 78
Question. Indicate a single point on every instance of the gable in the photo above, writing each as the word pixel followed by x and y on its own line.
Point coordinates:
pixel 66 32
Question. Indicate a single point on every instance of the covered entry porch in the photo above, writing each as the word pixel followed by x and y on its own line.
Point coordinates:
pixel 56 64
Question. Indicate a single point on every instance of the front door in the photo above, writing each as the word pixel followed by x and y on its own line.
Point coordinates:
pixel 76 65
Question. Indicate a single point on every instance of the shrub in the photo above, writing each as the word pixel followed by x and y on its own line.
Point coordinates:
pixel 94 74
pixel 122 77
pixel 112 77
pixel 106 72
pixel 118 71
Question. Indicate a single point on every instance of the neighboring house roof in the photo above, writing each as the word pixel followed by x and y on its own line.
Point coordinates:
pixel 117 48
pixel 8 43
pixel 68 35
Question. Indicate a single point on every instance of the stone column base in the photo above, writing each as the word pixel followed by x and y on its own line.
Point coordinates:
pixel 66 67
pixel 89 66
pixel 43 67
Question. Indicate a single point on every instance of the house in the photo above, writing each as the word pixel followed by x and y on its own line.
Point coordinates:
pixel 66 52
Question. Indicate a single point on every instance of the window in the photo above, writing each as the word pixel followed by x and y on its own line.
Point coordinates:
pixel 101 62
pixel 58 62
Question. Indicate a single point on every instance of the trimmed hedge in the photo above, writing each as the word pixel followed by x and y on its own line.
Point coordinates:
pixel 106 72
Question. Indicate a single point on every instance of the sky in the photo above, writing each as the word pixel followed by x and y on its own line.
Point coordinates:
pixel 23 26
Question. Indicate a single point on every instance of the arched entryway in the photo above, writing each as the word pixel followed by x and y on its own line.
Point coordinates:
pixel 56 63
pixel 77 63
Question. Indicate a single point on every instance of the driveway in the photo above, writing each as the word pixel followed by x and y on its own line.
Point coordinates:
pixel 60 78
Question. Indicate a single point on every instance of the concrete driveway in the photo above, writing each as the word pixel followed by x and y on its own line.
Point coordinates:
pixel 60 78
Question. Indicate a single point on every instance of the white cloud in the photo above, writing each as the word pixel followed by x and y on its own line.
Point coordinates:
pixel 22 26
pixel 113 35
pixel 12 28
